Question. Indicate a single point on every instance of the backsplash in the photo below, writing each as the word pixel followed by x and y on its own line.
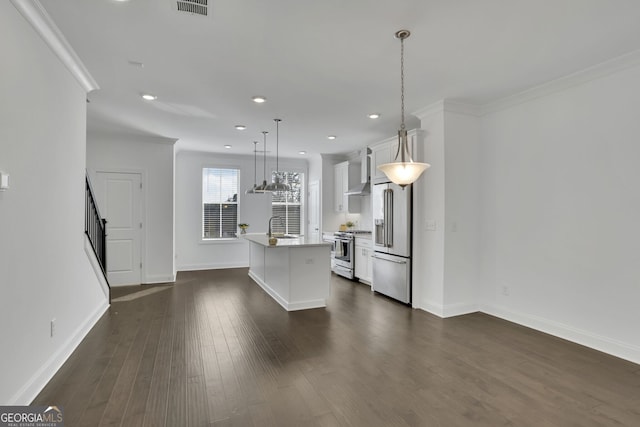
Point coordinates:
pixel 363 220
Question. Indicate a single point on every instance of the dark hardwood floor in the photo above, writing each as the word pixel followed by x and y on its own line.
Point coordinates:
pixel 214 349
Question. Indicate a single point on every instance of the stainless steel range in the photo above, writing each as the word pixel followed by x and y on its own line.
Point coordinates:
pixel 342 259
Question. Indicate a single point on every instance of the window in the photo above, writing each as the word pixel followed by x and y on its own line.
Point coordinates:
pixel 219 203
pixel 288 205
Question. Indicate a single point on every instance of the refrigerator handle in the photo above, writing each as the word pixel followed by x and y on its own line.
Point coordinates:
pixel 390 260
pixel 389 218
pixel 385 219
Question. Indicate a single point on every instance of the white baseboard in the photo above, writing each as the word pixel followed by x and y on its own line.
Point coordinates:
pixel 598 342
pixel 289 306
pixel 445 311
pixel 42 376
pixel 430 307
pixel 159 278
pixel 459 309
pixel 210 266
pixel 93 260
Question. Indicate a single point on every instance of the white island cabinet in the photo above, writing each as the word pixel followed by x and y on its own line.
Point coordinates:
pixel 296 272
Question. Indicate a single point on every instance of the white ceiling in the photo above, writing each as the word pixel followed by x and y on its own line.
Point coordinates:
pixel 323 65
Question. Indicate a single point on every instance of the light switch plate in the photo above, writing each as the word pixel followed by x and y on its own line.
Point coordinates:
pixel 4 181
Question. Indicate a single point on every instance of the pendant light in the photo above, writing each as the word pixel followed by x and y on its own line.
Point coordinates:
pixel 403 170
pixel 276 185
pixel 262 188
pixel 252 190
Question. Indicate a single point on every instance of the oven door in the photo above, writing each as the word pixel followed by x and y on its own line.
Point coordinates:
pixel 343 252
pixel 342 263
pixel 332 240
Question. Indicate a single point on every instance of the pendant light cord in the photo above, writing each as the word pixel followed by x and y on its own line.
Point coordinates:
pixel 264 166
pixel 277 145
pixel 402 127
pixel 255 163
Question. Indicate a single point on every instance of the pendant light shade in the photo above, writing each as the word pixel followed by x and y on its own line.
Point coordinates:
pixel 252 190
pixel 276 185
pixel 262 188
pixel 403 170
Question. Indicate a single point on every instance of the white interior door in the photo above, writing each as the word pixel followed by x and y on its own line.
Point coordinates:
pixel 314 209
pixel 119 200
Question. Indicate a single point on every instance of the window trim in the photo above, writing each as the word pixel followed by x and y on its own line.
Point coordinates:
pixel 219 240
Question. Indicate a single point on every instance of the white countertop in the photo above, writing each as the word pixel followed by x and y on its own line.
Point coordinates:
pixel 263 240
pixel 363 236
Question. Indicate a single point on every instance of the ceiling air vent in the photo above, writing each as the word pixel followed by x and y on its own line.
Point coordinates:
pixel 197 7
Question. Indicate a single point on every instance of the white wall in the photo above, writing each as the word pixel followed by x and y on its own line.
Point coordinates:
pixel 561 203
pixel 44 270
pixel 365 218
pixel 462 212
pixel 153 158
pixel 255 209
pixel 428 200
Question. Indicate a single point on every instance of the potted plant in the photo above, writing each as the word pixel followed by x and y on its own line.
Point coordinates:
pixel 349 224
pixel 243 228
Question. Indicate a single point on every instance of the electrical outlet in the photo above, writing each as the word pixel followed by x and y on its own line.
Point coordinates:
pixel 308 261
pixel 53 327
pixel 505 290
pixel 431 225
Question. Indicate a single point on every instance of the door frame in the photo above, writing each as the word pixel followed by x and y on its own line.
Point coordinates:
pixel 143 211
pixel 318 205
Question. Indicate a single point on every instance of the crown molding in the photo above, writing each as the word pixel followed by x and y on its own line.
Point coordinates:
pixel 37 16
pixel 429 110
pixel 128 136
pixel 460 107
pixel 334 156
pixel 586 75
pixel 450 106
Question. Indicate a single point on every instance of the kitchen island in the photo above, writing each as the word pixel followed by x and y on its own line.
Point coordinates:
pixel 296 272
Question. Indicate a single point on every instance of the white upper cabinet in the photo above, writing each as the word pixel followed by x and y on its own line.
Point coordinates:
pixel 380 154
pixel 345 174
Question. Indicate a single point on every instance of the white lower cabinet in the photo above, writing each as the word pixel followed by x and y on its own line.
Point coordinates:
pixel 363 265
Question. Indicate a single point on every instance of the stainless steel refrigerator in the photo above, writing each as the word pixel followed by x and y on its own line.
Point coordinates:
pixel 392 241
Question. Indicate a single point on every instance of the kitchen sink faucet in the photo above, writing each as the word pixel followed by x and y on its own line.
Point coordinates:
pixel 270 219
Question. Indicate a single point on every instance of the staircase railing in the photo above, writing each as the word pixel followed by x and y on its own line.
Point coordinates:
pixel 95 227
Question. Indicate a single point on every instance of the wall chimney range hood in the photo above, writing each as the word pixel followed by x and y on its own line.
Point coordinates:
pixel 363 188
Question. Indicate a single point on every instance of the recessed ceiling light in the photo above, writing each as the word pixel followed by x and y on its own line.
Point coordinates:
pixel 373 115
pixel 259 99
pixel 302 152
pixel 332 137
pixel 241 127
pixel 149 97
pixel 227 146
